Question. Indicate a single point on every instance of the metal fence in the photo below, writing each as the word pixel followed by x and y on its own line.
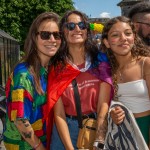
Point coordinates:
pixel 9 55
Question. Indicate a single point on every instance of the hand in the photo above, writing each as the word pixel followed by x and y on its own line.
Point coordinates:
pixel 117 115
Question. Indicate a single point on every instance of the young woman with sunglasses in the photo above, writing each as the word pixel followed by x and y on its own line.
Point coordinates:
pixel 78 58
pixel 130 71
pixel 26 88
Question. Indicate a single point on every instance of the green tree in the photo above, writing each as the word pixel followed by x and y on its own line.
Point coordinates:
pixel 16 16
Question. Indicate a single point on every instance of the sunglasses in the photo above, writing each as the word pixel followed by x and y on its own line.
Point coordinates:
pixel 71 25
pixel 45 35
pixel 148 24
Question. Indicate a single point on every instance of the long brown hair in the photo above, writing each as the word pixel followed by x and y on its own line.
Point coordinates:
pixel 30 47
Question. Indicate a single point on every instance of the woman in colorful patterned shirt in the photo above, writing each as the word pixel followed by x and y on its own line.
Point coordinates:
pixel 26 88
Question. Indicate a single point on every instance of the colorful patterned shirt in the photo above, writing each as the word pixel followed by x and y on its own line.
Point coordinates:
pixel 23 102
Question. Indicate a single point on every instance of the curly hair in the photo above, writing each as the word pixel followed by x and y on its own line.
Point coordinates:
pixel 63 52
pixel 139 49
pixel 141 7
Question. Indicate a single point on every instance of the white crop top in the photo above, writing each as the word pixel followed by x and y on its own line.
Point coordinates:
pixel 134 95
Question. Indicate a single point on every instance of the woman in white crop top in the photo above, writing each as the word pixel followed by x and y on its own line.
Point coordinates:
pixel 130 71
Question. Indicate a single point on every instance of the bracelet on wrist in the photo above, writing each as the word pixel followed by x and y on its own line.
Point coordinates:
pixel 98 140
pixel 37 145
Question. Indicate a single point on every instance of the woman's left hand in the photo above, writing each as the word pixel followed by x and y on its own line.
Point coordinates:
pixel 117 115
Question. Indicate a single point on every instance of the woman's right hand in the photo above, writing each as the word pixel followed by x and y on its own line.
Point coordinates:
pixel 117 115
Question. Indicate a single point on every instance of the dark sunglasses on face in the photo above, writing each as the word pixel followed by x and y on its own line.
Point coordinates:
pixel 45 35
pixel 71 25
pixel 148 24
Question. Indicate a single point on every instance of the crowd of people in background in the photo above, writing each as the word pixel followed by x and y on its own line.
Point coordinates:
pixel 41 111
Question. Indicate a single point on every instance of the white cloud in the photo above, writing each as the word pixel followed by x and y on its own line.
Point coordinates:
pixel 105 15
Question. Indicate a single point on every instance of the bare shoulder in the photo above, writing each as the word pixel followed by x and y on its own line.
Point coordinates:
pixel 146 61
pixel 146 67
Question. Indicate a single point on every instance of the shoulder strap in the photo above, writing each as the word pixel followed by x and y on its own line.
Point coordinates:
pixel 143 66
pixel 77 102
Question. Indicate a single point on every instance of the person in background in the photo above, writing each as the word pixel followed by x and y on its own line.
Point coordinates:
pixel 26 88
pixel 140 15
pixel 97 40
pixel 78 58
pixel 130 71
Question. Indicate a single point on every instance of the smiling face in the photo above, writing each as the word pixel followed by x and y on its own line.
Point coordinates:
pixel 47 48
pixel 76 36
pixel 120 39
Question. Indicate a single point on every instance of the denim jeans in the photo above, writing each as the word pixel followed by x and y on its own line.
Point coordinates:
pixel 56 143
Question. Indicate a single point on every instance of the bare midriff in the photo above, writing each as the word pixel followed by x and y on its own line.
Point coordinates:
pixel 146 113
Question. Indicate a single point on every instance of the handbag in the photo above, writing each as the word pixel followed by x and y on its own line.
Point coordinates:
pixel 87 131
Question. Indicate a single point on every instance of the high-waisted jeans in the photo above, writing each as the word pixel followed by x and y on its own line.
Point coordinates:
pixel 56 143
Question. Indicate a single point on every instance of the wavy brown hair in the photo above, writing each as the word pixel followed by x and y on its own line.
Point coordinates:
pixel 139 49
pixel 30 47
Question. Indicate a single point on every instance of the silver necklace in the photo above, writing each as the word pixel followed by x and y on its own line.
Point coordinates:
pixel 120 76
pixel 122 68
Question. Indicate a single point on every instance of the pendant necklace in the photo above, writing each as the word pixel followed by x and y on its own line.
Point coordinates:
pixel 122 68
pixel 120 73
pixel 120 76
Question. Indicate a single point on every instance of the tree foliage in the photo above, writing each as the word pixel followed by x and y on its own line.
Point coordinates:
pixel 16 16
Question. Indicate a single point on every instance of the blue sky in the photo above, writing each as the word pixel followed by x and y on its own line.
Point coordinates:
pixel 98 8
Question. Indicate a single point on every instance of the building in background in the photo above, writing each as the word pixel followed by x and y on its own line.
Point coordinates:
pixel 125 5
pixel 98 20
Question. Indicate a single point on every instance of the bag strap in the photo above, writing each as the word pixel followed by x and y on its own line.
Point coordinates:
pixel 77 102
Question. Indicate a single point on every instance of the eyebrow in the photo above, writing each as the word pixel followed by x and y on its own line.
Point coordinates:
pixel 119 30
